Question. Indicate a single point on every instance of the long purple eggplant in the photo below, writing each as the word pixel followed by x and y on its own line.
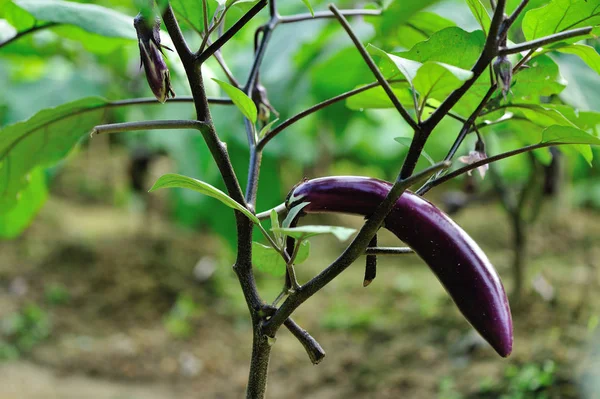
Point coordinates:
pixel 456 260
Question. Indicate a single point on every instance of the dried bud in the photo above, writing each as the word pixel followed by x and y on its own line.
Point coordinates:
pixel 261 99
pixel 503 71
pixel 476 156
pixel 157 72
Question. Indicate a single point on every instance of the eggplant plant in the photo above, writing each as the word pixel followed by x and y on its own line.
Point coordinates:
pixel 480 80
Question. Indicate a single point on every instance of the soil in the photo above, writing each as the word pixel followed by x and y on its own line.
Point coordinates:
pixel 109 280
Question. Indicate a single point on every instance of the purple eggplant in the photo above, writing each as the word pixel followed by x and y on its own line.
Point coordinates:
pixel 456 260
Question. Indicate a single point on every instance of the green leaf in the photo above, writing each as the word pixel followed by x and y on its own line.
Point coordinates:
pixel 267 259
pixel 437 80
pixel 309 6
pixel 560 15
pixel 420 27
pixel 275 224
pixel 541 79
pixel 399 12
pixel 303 252
pixel 266 128
pixel 580 139
pixel 172 180
pixel 240 99
pixel 191 12
pixel 42 140
pixel 16 16
pixel 90 17
pixel 392 65
pixel 304 232
pixel 588 54
pixel 15 220
pixel 292 213
pixel 481 14
pixel 377 97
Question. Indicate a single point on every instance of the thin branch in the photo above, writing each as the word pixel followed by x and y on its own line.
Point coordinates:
pixel 374 69
pixel 389 251
pixel 25 32
pixel 351 253
pixel 206 27
pixel 231 31
pixel 147 125
pixel 153 100
pixel 513 17
pixel 273 9
pixel 317 107
pixel 537 43
pixel 326 14
pixel 494 158
pixel 266 214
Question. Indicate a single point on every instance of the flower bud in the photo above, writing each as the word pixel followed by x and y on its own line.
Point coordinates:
pixel 157 72
pixel 503 71
pixel 476 156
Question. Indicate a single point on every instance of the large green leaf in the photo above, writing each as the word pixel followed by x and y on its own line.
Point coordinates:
pixel 420 27
pixel 268 260
pixel 437 80
pixel 15 15
pixel 42 140
pixel 399 12
pixel 588 54
pixel 579 139
pixel 172 180
pixel 560 15
pixel 392 65
pixel 90 17
pixel 15 220
pixel 541 79
pixel 190 11
pixel 378 98
pixel 481 14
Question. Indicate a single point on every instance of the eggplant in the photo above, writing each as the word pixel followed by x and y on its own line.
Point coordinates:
pixel 456 260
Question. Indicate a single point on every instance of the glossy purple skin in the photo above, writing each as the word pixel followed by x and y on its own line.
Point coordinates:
pixel 456 260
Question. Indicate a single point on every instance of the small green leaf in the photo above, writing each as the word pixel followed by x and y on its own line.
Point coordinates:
pixel 89 17
pixel 292 213
pixel 266 129
pixel 172 180
pixel 267 259
pixel 240 99
pixel 309 6
pixel 275 224
pixel 481 14
pixel 303 252
pixel 588 54
pixel 304 232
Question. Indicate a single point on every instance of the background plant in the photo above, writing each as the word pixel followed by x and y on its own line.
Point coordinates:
pixel 413 89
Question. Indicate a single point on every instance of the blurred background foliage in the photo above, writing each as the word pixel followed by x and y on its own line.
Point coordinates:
pixel 100 217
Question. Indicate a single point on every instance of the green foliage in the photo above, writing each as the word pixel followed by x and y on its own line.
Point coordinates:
pixel 178 322
pixel 268 260
pixel 560 15
pixel 481 14
pixel 172 180
pixel 240 99
pixel 304 232
pixel 21 331
pixel 90 17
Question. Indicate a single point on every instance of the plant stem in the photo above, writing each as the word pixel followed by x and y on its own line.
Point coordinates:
pixel 231 31
pixel 537 43
pixel 389 251
pixel 147 125
pixel 259 364
pixel 314 351
pixel 513 17
pixel 326 14
pixel 317 107
pixel 266 214
pixel 374 69
pixel 27 32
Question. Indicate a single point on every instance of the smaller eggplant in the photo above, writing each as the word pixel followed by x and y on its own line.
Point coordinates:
pixel 456 260
pixel 157 72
